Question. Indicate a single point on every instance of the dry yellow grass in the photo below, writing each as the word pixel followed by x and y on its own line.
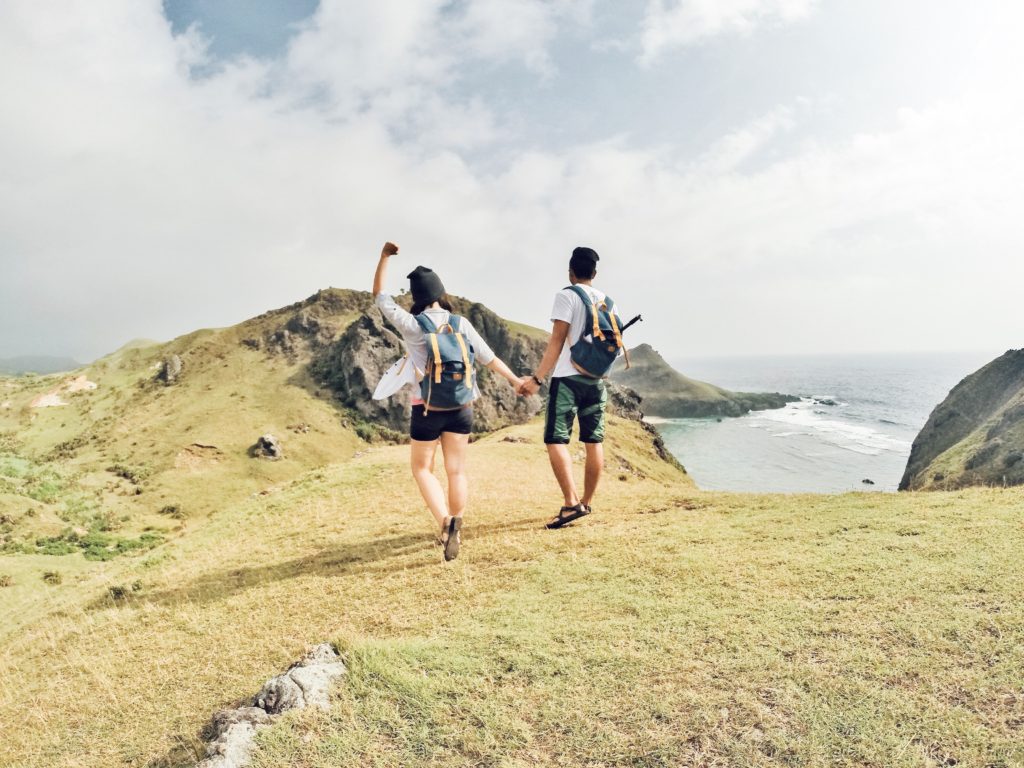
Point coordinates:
pixel 673 627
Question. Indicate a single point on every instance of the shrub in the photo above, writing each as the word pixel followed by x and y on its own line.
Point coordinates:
pixel 52 577
pixel 6 580
pixel 135 475
pixel 173 511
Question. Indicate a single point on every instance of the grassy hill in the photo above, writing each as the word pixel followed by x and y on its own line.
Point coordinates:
pixel 668 393
pixel 151 573
pixel 976 435
pixel 118 457
pixel 672 627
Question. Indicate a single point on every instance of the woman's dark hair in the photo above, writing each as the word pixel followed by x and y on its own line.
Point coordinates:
pixel 444 301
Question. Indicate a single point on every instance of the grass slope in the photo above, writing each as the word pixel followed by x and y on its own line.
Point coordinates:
pixel 673 627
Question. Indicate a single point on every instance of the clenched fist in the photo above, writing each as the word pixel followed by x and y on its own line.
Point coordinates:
pixel 389 249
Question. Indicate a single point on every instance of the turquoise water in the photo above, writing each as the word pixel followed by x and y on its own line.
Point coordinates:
pixel 880 404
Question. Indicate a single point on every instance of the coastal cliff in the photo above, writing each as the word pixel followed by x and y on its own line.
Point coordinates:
pixel 976 435
pixel 669 394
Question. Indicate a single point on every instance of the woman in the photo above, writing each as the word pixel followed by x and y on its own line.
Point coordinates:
pixel 430 424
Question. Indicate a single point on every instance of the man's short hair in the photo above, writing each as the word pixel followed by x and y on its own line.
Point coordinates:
pixel 583 262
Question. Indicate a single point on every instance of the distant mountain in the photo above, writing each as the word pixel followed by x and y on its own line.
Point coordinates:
pixel 669 394
pixel 976 435
pixel 42 364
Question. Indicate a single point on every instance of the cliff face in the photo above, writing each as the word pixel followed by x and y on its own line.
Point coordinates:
pixel 669 394
pixel 976 435
pixel 353 364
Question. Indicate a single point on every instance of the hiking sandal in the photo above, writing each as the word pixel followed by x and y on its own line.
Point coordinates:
pixel 451 544
pixel 574 513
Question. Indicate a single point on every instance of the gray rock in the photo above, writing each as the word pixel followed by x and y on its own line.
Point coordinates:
pixel 170 370
pixel 352 365
pixel 307 683
pixel 267 447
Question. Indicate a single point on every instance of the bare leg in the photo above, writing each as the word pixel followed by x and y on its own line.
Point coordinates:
pixel 422 457
pixel 561 465
pixel 453 446
pixel 595 465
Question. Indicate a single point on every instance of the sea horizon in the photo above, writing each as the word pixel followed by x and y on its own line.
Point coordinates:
pixel 852 430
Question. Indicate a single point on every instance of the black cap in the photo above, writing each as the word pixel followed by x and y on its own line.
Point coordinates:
pixel 425 285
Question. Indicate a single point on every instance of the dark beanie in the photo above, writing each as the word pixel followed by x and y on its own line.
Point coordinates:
pixel 425 285
pixel 584 261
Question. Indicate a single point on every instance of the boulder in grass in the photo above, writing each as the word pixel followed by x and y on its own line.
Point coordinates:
pixel 170 370
pixel 267 447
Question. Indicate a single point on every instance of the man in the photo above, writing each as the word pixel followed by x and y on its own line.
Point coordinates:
pixel 571 393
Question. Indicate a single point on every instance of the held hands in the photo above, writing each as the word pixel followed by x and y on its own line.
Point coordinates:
pixel 389 249
pixel 527 386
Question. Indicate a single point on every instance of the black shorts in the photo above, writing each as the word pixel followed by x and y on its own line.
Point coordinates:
pixel 429 427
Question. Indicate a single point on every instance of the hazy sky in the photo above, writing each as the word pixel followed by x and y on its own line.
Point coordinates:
pixel 759 176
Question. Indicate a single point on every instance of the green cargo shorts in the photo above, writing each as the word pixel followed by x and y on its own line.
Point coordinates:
pixel 568 397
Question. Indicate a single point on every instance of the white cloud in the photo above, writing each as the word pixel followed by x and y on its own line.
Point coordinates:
pixel 138 201
pixel 678 23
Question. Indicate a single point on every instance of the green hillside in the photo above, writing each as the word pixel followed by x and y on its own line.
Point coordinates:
pixel 976 435
pixel 669 394
pixel 152 573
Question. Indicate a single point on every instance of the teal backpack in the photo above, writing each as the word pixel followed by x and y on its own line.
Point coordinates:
pixel 598 346
pixel 448 381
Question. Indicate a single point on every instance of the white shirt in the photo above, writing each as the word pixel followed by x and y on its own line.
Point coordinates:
pixel 416 342
pixel 569 308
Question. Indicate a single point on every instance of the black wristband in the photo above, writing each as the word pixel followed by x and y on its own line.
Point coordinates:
pixel 534 377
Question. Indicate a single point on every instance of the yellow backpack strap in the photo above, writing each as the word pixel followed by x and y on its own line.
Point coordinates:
pixel 597 325
pixel 465 359
pixel 615 330
pixel 437 358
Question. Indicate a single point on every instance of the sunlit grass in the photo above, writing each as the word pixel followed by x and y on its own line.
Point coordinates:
pixel 673 627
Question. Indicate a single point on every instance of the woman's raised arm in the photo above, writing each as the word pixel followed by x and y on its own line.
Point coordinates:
pixel 389 250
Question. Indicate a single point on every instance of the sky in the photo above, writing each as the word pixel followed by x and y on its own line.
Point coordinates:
pixel 759 176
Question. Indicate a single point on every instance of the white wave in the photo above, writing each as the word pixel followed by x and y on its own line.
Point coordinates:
pixel 801 418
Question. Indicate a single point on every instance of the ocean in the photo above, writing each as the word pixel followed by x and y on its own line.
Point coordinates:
pixel 856 420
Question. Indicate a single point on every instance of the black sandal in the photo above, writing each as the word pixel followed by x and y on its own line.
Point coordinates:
pixel 451 544
pixel 575 513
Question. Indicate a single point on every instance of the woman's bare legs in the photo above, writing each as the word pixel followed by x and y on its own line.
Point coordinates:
pixel 422 461
pixel 453 446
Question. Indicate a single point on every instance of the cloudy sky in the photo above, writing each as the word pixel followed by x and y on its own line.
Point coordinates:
pixel 759 176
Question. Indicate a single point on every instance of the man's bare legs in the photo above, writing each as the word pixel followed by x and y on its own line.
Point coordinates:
pixel 561 465
pixel 595 466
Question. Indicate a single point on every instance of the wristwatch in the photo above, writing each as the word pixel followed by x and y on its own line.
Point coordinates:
pixel 534 377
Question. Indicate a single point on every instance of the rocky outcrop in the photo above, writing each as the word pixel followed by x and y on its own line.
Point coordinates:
pixel 976 435
pixel 352 365
pixel 267 447
pixel 303 328
pixel 669 394
pixel 307 683
pixel 170 370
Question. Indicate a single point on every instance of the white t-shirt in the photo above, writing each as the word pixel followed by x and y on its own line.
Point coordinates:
pixel 569 308
pixel 416 342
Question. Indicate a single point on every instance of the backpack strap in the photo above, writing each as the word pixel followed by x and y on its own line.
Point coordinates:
pixel 587 302
pixel 426 323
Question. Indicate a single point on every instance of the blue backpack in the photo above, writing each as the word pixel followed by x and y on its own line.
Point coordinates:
pixel 595 351
pixel 448 380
